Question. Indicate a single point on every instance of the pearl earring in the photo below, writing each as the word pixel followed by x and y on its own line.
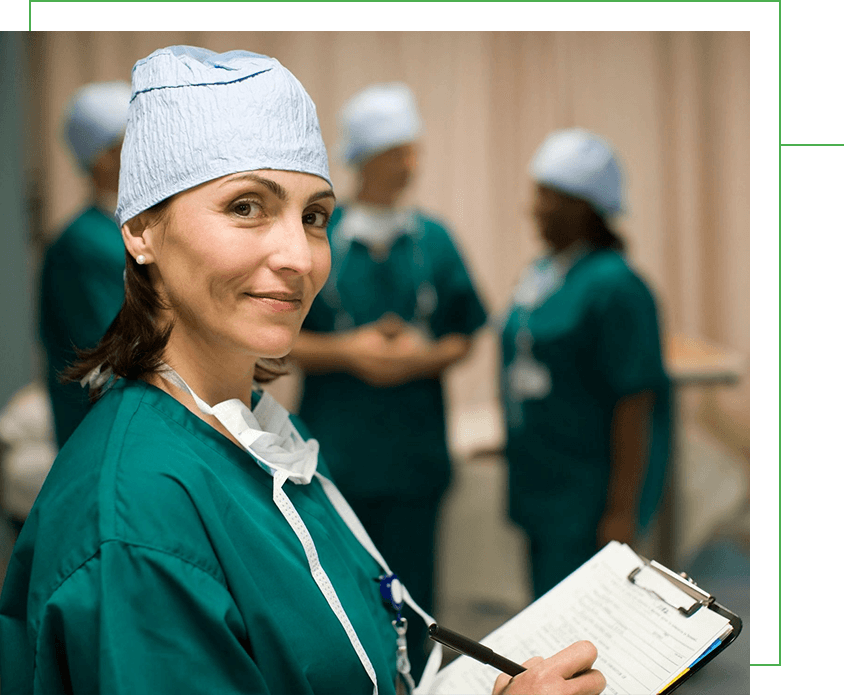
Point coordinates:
pixel 141 259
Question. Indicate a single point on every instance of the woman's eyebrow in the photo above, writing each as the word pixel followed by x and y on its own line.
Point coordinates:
pixel 277 190
pixel 328 193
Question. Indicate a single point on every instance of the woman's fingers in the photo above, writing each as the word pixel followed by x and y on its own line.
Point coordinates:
pixel 503 679
pixel 568 672
pixel 501 682
pixel 589 682
pixel 533 661
pixel 574 659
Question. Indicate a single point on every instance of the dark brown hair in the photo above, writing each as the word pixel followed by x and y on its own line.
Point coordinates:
pixel 603 237
pixel 133 345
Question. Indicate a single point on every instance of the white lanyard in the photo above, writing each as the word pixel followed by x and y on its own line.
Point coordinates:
pixel 271 439
pixel 527 378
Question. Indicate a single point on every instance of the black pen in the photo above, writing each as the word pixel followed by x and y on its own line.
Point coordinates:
pixel 473 649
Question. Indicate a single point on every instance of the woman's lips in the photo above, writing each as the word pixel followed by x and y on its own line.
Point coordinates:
pixel 277 302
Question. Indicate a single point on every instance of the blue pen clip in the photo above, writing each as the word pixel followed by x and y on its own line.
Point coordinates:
pixel 392 592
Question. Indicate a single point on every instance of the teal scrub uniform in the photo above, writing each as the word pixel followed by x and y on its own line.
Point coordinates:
pixel 591 341
pixel 155 561
pixel 387 446
pixel 81 293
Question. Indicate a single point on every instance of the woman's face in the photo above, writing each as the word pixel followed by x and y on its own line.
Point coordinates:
pixel 393 169
pixel 561 219
pixel 105 171
pixel 240 259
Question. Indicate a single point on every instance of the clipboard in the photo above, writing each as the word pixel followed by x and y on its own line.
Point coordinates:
pixel 701 599
pixel 653 628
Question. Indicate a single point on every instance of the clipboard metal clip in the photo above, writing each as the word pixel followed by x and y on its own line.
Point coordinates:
pixel 683 582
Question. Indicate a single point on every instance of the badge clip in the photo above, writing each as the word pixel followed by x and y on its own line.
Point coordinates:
pixel 392 592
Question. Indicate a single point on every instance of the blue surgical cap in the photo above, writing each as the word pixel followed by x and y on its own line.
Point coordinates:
pixel 377 119
pixel 580 163
pixel 95 119
pixel 197 115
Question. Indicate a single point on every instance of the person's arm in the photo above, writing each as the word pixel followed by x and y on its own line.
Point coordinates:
pixel 137 620
pixel 428 359
pixel 629 448
pixel 323 353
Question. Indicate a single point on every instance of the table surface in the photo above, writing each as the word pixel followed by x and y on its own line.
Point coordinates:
pixel 692 361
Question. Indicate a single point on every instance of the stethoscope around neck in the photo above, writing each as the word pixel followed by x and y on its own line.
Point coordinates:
pixel 426 299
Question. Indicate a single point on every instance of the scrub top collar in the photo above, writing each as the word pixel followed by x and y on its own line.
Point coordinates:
pixel 545 275
pixel 162 401
pixel 406 224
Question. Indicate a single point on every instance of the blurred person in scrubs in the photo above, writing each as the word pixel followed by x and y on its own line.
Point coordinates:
pixel 180 547
pixel 398 309
pixel 583 383
pixel 82 274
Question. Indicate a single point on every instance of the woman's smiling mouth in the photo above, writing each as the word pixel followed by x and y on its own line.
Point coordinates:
pixel 278 301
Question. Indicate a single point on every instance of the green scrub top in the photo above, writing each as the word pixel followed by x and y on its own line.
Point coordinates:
pixel 81 293
pixel 155 561
pixel 597 334
pixel 389 441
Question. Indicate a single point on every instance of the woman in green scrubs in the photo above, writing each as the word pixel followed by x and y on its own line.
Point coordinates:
pixel 182 547
pixel 583 383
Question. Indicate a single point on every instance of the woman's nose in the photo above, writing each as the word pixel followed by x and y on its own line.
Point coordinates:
pixel 290 249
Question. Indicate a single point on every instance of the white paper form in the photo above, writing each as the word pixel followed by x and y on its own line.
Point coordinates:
pixel 643 643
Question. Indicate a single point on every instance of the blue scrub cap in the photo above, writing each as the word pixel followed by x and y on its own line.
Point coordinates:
pixel 580 163
pixel 197 115
pixel 95 119
pixel 380 117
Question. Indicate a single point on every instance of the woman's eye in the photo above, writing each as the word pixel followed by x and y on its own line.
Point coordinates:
pixel 246 208
pixel 315 218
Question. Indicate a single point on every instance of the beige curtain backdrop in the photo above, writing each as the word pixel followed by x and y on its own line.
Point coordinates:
pixel 675 105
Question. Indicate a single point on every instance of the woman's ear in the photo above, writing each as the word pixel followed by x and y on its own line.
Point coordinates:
pixel 137 236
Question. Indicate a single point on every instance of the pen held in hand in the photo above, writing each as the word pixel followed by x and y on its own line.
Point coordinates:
pixel 473 649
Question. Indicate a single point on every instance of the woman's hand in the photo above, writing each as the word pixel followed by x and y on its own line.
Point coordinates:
pixel 568 672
